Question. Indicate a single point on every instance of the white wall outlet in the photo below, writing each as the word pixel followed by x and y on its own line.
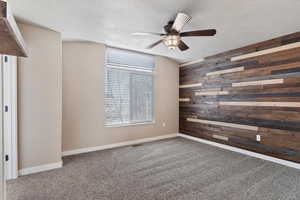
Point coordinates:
pixel 258 138
pixel 164 124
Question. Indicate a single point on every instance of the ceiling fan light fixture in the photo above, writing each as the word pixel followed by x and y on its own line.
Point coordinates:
pixel 173 33
pixel 172 41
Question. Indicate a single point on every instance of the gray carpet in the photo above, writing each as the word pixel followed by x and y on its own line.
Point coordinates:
pixel 169 169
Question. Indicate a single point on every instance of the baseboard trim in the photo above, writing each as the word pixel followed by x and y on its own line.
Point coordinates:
pixel 40 168
pixel 242 151
pixel 115 145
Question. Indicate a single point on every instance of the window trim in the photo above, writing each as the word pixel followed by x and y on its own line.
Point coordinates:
pixel 123 67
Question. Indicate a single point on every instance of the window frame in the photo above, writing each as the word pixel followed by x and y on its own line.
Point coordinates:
pixel 136 69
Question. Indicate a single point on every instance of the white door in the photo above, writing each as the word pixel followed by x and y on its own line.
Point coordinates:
pixel 10 116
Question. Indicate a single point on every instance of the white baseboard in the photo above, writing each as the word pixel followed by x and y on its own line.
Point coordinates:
pixel 40 168
pixel 242 151
pixel 115 145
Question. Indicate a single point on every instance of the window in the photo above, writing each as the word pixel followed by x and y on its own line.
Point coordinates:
pixel 129 87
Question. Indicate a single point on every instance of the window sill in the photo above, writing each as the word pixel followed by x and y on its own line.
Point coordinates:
pixel 126 125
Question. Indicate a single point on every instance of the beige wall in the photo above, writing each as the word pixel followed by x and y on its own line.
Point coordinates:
pixel 39 96
pixel 83 99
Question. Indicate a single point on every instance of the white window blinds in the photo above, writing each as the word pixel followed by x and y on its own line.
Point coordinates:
pixel 129 87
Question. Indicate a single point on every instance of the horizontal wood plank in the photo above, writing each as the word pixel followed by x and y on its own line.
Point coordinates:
pixel 192 62
pixel 264 104
pixel 184 99
pixel 261 82
pixel 211 93
pixel 266 51
pixel 226 71
pixel 232 125
pixel 220 137
pixel 191 85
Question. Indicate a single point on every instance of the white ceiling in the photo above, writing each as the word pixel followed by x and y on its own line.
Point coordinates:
pixel 238 22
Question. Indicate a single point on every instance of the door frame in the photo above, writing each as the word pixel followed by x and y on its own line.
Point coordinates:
pixel 2 179
pixel 10 116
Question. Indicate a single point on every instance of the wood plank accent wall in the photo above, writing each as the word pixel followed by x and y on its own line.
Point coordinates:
pixel 234 96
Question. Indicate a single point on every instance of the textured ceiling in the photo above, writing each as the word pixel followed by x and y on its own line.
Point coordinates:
pixel 111 21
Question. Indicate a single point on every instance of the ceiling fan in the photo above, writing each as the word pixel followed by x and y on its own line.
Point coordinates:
pixel 173 35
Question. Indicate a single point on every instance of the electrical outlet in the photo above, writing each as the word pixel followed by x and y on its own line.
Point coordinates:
pixel 258 138
pixel 164 124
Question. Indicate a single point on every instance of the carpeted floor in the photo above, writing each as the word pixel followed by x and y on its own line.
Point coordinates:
pixel 176 169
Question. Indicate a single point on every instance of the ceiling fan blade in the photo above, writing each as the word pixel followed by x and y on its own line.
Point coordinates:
pixel 208 32
pixel 154 44
pixel 147 33
pixel 182 46
pixel 181 20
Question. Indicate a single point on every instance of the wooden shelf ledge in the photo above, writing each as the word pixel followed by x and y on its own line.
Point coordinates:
pixel 11 40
